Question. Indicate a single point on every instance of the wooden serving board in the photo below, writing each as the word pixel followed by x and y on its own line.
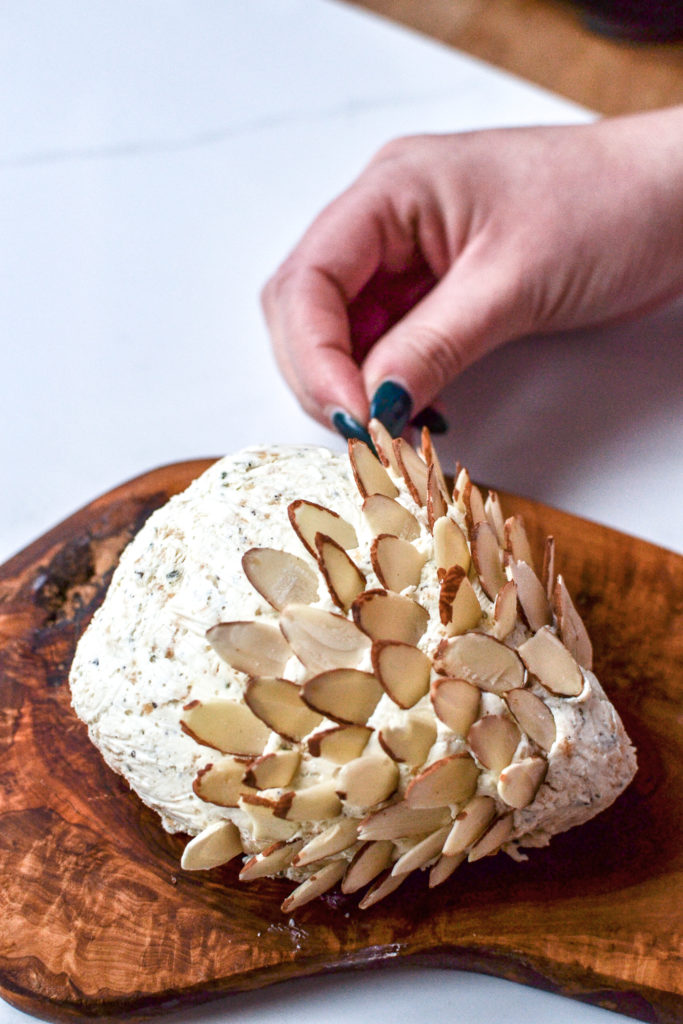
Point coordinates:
pixel 97 919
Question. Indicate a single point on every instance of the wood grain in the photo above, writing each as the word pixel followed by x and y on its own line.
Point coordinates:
pixel 545 42
pixel 98 921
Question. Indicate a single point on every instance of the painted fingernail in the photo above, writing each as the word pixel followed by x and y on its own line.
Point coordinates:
pixel 391 405
pixel 349 427
pixel 432 419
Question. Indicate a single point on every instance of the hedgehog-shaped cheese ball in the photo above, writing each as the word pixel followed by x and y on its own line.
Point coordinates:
pixel 343 672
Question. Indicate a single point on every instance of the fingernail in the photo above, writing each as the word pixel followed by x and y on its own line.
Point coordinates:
pixel 391 405
pixel 432 419
pixel 349 427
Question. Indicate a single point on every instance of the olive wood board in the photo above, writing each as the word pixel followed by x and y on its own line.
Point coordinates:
pixel 97 920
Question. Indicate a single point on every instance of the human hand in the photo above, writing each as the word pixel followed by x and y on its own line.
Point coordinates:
pixel 448 246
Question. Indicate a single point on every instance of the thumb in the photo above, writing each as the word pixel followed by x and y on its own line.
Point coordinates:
pixel 461 319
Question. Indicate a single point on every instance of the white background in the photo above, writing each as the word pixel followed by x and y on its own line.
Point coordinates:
pixel 157 160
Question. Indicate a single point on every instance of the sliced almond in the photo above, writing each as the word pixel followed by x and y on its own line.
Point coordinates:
pixel 226 725
pixel 533 717
pixel 493 741
pixel 215 845
pixel 385 515
pixel 263 825
pixel 222 782
pixel 531 595
pixel 400 821
pixel 571 627
pixel 482 660
pixel 397 562
pixel 517 540
pixel 280 577
pixel 369 861
pixel 437 503
pixel 486 556
pixel 339 744
pixel 384 445
pixel 550 662
pixel 403 671
pixel 548 573
pixel 413 470
pixel 273 771
pixel 382 888
pixel 345 695
pixel 431 458
pixel 450 545
pixel 446 782
pixel 257 648
pixel 314 803
pixel 495 517
pixel 444 868
pixel 459 607
pixel 367 781
pixel 344 579
pixel 519 782
pixel 475 512
pixel 410 740
pixel 505 610
pixel 321 639
pixel 470 824
pixel 278 704
pixel 308 518
pixel 325 878
pixel 384 615
pixel 462 484
pixel 334 839
pixel 419 855
pixel 491 841
pixel 370 475
pixel 270 861
pixel 456 703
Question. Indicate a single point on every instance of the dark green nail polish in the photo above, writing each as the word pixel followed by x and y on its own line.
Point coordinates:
pixel 349 427
pixel 431 419
pixel 391 405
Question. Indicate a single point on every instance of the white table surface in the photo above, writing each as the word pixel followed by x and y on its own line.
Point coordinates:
pixel 157 160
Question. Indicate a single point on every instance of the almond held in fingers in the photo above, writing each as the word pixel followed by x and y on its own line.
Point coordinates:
pixel 397 562
pixel 481 660
pixel 456 703
pixel 257 648
pixel 546 657
pixel 384 615
pixel 335 729
pixel 384 515
pixel 225 725
pixel 403 671
pixel 347 695
pixel 344 579
pixel 278 704
pixel 280 577
pixel 369 861
pixel 308 518
pixel 533 716
pixel 486 556
pixel 370 475
pixel 413 470
pixel 321 639
pixel 519 782
pixel 384 445
pixel 493 740
pixel 216 845
pixel 573 632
